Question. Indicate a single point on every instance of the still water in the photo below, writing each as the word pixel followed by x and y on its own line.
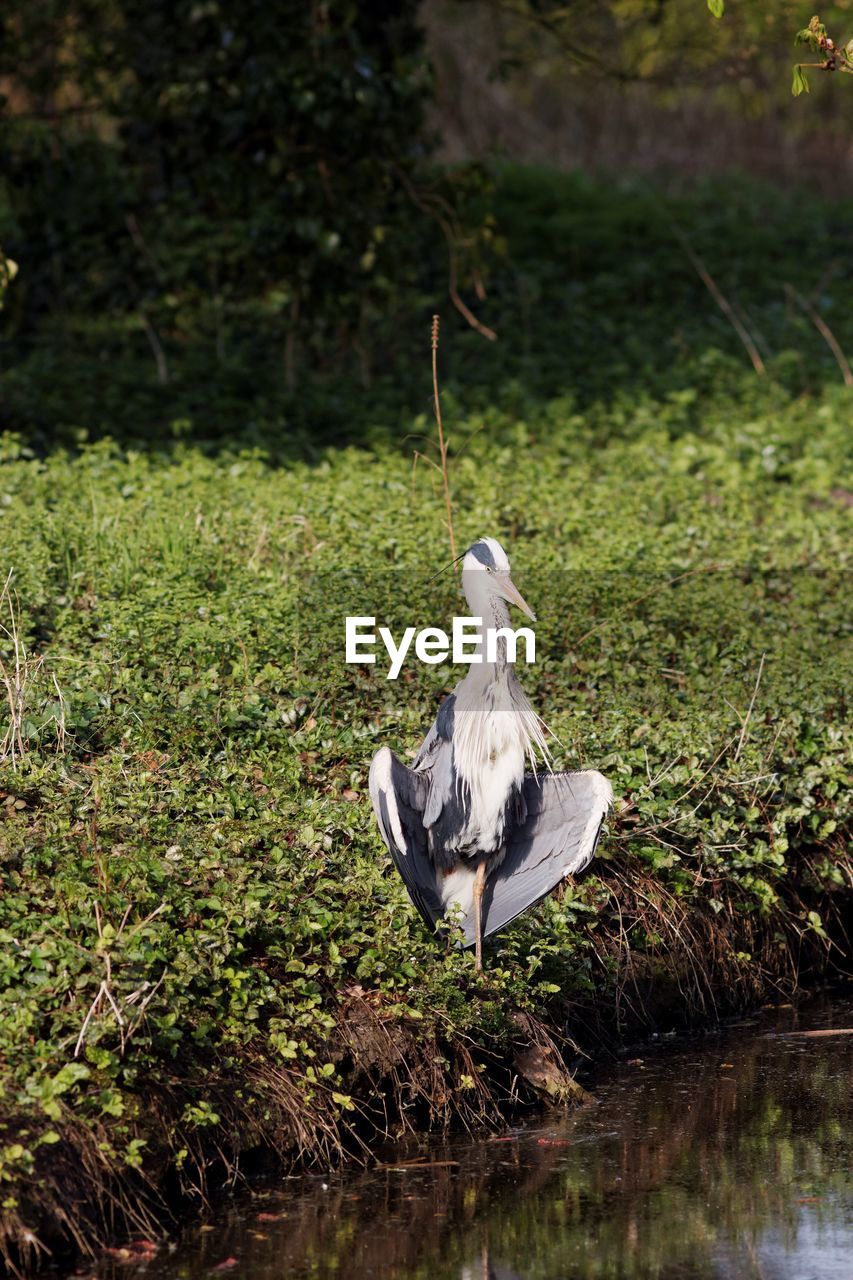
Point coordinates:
pixel 727 1156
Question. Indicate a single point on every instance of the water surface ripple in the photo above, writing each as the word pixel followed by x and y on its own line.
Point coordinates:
pixel 726 1156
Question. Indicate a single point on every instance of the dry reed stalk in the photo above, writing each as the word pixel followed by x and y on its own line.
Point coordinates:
pixel 748 715
pixel 15 678
pixel 442 443
pixel 156 348
pixel 18 679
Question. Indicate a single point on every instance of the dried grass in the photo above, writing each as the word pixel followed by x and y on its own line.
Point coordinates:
pixel 26 682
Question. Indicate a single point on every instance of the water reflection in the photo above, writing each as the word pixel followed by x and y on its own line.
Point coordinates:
pixel 728 1158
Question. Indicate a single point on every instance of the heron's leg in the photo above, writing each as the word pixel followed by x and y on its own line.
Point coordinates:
pixel 479 885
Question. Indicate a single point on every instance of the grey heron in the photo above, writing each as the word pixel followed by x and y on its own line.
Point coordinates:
pixel 474 836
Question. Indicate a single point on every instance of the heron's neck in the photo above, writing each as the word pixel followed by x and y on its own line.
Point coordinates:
pixel 493 613
pixel 483 601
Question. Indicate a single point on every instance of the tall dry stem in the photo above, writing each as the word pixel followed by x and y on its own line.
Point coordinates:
pixel 442 443
pixel 13 676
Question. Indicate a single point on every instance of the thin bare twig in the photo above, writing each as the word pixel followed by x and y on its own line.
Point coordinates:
pixel 825 332
pixel 434 207
pixel 156 348
pixel 135 232
pixel 748 716
pixel 721 300
pixel 88 1018
pixel 132 224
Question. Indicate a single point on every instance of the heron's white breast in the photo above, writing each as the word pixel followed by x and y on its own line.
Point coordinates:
pixel 489 748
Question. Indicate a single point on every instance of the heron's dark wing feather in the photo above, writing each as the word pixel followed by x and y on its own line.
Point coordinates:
pixel 442 786
pixel 440 732
pixel 435 758
pixel 565 812
pixel 399 796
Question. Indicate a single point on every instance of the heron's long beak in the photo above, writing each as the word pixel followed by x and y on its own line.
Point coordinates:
pixel 514 596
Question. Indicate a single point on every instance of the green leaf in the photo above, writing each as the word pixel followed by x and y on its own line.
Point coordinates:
pixel 717 7
pixel 799 83
pixel 817 924
pixel 67 1076
pixel 133 1154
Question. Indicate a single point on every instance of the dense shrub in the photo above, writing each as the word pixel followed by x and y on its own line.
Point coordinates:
pixel 244 179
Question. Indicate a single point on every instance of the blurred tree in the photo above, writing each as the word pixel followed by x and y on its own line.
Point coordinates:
pixel 233 176
pixel 236 163
pixel 658 87
pixel 273 142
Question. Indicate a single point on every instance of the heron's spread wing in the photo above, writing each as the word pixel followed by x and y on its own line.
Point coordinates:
pixel 399 797
pixel 565 812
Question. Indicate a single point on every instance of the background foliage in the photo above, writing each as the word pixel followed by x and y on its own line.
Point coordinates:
pixel 181 177
pixel 230 216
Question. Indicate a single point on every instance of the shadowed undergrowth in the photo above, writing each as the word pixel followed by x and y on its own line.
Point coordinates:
pixel 592 286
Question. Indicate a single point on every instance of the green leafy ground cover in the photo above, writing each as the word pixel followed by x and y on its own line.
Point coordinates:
pixel 204 951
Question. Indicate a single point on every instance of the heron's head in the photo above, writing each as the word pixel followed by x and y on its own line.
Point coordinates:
pixel 486 575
